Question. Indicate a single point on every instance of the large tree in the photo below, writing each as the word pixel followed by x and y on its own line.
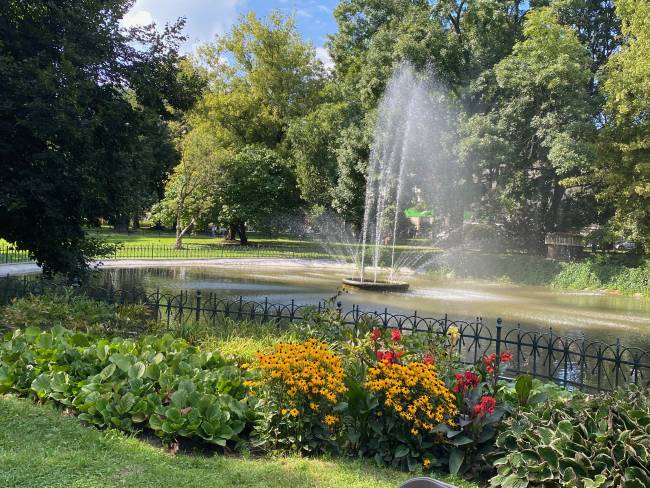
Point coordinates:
pixel 81 102
pixel 537 133
pixel 623 171
pixel 190 189
pixel 263 78
pixel 253 187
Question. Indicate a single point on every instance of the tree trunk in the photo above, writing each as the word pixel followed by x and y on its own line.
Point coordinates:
pixel 231 234
pixel 121 224
pixel 180 232
pixel 136 221
pixel 241 229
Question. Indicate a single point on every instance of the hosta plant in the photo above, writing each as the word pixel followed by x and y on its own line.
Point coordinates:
pixel 582 442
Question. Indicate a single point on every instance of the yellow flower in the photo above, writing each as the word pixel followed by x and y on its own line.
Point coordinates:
pixel 426 463
pixel 294 412
pixel 245 366
pixel 284 411
pixel 330 419
pixel 454 334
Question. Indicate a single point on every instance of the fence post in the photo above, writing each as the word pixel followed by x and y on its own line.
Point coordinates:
pixel 498 339
pixel 157 306
pixel 198 306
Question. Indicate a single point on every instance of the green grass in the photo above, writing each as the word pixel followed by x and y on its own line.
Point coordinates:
pixel 42 448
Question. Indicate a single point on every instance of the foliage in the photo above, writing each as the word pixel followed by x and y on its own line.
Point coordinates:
pixel 252 187
pixel 74 311
pixel 190 189
pixel 542 119
pixel 158 383
pixel 84 133
pixel 582 442
pixel 623 170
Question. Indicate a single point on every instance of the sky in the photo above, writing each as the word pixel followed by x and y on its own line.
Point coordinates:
pixel 207 18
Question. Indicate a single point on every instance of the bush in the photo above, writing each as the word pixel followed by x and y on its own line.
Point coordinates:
pixel 74 311
pixel 158 383
pixel 581 442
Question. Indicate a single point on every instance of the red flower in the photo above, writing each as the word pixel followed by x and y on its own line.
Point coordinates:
pixel 380 355
pixel 489 369
pixel 485 406
pixel 375 334
pixel 396 335
pixel 506 357
pixel 398 354
pixel 465 381
pixel 428 359
pixel 489 360
pixel 389 356
pixel 471 379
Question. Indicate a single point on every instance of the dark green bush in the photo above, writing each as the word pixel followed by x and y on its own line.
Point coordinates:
pixel 582 442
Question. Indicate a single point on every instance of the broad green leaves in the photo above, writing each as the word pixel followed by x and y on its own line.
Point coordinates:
pixel 161 382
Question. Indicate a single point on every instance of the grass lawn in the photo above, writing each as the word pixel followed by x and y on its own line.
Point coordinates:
pixel 40 447
pixel 152 244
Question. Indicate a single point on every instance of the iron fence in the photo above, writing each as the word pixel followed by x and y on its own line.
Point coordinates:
pixel 573 362
pixel 9 254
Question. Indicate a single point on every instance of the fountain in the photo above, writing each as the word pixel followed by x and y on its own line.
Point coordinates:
pixel 409 143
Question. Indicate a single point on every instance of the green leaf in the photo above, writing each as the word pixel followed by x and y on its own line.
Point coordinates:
pixel 565 427
pixel 136 370
pixel 121 361
pixel 401 451
pixel 41 385
pixel 456 458
pixel 107 372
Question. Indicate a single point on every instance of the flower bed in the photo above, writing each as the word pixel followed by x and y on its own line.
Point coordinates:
pixel 405 401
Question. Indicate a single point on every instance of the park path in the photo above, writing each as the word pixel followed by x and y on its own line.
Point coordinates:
pixel 31 268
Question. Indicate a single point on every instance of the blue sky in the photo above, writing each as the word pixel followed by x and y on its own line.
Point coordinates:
pixel 206 18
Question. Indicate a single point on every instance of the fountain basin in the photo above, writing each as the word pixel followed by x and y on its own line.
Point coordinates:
pixel 376 285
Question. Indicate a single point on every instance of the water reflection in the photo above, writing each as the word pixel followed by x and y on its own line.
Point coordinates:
pixel 597 316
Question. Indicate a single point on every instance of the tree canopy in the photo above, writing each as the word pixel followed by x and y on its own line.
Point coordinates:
pixel 82 132
pixel 547 118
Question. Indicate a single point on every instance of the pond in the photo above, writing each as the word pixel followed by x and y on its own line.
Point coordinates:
pixel 600 316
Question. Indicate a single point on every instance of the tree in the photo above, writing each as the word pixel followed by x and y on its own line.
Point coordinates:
pixel 624 168
pixel 273 77
pixel 75 121
pixel 253 187
pixel 537 135
pixel 190 189
pixel 312 143
pixel 458 41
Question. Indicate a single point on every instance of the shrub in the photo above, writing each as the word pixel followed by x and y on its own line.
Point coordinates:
pixel 158 383
pixel 582 442
pixel 300 387
pixel 73 311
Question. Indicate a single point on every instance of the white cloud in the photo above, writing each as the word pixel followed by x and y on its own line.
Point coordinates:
pixel 135 18
pixel 204 18
pixel 326 59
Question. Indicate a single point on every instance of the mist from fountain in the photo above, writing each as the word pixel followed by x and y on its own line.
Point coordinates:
pixel 410 162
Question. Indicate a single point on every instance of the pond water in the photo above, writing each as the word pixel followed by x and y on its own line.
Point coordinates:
pixel 599 316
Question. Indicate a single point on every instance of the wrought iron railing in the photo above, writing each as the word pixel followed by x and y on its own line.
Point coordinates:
pixel 9 254
pixel 574 362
